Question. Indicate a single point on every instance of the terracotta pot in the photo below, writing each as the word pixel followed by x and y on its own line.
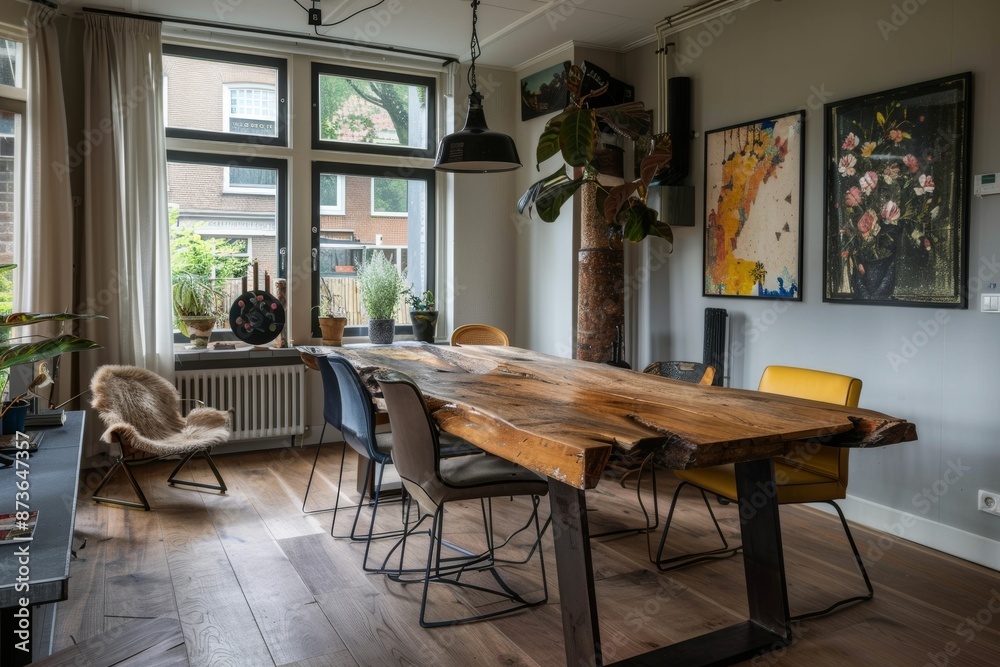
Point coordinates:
pixel 333 330
pixel 199 329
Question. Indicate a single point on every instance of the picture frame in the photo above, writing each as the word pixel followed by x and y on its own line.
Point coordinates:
pixel 545 92
pixel 753 208
pixel 896 193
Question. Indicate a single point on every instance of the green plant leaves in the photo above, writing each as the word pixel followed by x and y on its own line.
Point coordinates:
pixel 549 194
pixel 578 136
pixel 11 355
pixel 659 159
pixel 641 221
pixel 628 120
pixel 21 319
pixel 616 197
pixel 548 143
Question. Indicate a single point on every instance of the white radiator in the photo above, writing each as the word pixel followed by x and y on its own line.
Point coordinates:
pixel 265 402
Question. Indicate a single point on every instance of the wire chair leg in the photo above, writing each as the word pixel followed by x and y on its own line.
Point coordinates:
pixel 121 464
pixel 861 567
pixel 676 562
pixel 305 498
pixel 172 480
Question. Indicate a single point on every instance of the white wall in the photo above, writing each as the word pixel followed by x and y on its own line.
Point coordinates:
pixel 773 58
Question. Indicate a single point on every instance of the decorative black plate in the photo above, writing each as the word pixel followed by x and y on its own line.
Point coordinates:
pixel 256 317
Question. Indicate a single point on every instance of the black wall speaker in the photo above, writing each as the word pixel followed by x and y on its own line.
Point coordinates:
pixel 679 128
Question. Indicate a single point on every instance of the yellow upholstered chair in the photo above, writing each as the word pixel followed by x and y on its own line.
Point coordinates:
pixel 810 474
pixel 478 334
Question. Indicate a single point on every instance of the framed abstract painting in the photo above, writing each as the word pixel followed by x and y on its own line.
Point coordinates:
pixel 897 165
pixel 753 209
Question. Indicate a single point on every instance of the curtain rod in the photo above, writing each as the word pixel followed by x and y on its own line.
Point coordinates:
pixel 446 60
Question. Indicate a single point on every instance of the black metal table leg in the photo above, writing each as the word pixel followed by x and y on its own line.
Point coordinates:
pixel 768 627
pixel 571 534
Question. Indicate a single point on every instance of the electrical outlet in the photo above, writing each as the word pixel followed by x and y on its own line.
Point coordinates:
pixel 989 502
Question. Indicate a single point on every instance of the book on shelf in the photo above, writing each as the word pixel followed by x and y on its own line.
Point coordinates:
pixel 46 418
pixel 13 531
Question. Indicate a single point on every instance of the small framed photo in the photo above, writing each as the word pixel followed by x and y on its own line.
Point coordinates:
pixel 897 218
pixel 545 92
pixel 753 209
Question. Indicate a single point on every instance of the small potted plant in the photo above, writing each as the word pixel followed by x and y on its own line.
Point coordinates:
pixel 381 287
pixel 332 318
pixel 197 306
pixel 37 349
pixel 423 315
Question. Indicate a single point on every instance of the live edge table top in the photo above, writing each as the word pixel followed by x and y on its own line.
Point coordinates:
pixel 562 417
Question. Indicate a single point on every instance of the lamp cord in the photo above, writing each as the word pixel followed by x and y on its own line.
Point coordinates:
pixel 474 47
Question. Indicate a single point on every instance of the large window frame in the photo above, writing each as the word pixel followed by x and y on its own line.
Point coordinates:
pixel 14 100
pixel 428 176
pixel 429 151
pixel 281 95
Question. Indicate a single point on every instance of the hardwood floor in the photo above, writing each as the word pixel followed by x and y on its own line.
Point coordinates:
pixel 253 581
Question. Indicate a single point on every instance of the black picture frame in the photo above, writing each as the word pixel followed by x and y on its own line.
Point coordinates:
pixel 754 174
pixel 545 91
pixel 897 196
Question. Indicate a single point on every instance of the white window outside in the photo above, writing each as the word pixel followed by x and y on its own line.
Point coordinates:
pixel 249 181
pixel 389 197
pixel 331 194
pixel 249 109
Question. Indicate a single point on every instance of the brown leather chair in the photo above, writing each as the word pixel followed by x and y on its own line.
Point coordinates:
pixel 478 334
pixel 434 481
pixel 810 474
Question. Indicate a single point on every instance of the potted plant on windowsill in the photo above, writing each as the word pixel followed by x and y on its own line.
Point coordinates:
pixel 381 288
pixel 197 306
pixel 332 318
pixel 423 315
pixel 38 349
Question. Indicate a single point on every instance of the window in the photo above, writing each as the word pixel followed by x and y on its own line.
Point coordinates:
pixel 372 112
pixel 389 197
pixel 11 193
pixel 331 194
pixel 403 230
pixel 220 96
pixel 215 233
pixel 11 63
pixel 249 181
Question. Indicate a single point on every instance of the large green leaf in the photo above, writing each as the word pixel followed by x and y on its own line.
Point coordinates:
pixel 7 267
pixel 653 163
pixel 11 355
pixel 616 197
pixel 578 136
pixel 22 319
pixel 628 120
pixel 551 199
pixel 536 191
pixel 641 221
pixel 548 143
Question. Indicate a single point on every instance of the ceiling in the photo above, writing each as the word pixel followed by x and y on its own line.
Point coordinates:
pixel 511 32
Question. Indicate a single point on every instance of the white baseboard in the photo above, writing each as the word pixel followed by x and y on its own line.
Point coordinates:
pixel 960 543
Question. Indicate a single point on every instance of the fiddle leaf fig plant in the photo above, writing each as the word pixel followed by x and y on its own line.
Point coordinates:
pixel 575 134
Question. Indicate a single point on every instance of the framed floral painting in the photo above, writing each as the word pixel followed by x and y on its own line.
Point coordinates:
pixel 753 209
pixel 897 166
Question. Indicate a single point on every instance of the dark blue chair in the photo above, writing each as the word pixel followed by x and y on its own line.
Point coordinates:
pixel 331 417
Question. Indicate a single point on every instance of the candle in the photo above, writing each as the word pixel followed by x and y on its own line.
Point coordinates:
pixel 256 284
pixel 244 284
pixel 267 282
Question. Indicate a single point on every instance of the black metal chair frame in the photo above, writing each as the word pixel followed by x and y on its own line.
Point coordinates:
pixel 125 463
pixel 676 562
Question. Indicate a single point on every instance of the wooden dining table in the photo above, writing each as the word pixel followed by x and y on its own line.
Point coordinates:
pixel 563 418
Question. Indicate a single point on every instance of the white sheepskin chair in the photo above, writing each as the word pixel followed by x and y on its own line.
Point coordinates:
pixel 142 413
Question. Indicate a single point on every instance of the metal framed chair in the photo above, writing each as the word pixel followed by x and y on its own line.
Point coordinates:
pixel 331 417
pixel 811 474
pixel 433 481
pixel 141 411
pixel 685 371
pixel 478 334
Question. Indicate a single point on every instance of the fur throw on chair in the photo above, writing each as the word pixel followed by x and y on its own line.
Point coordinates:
pixel 142 409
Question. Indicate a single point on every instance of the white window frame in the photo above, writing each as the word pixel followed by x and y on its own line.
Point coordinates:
pixel 341 207
pixel 230 189
pixel 227 89
pixel 385 214
pixel 19 54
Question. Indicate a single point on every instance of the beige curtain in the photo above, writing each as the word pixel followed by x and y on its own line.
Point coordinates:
pixel 124 253
pixel 45 252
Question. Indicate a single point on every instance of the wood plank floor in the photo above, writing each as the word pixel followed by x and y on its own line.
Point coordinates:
pixel 253 581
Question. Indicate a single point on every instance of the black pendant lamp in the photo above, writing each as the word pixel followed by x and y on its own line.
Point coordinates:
pixel 477 148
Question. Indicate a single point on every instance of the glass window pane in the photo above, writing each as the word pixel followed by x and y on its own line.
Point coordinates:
pixel 331 194
pixel 10 202
pixel 216 229
pixel 399 234
pixel 11 63
pixel 218 96
pixel 367 111
pixel 389 196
